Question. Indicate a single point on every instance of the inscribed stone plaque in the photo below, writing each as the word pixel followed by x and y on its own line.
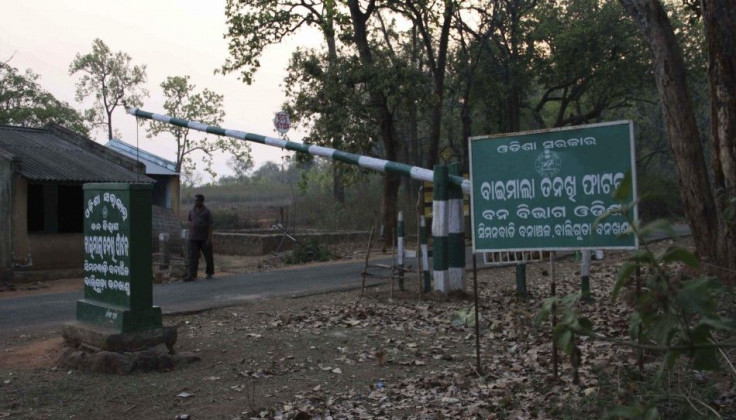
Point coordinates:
pixel 118 286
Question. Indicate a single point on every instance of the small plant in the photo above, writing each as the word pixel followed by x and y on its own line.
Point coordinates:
pixel 674 317
pixel 464 317
pixel 308 251
pixel 225 219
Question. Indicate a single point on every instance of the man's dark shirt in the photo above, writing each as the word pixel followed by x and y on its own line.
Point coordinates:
pixel 200 220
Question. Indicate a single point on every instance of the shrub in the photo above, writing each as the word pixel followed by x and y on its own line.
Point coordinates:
pixel 308 251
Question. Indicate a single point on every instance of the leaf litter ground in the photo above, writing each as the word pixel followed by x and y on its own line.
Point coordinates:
pixel 340 355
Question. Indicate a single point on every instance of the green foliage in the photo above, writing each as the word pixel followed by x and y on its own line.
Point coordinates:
pixel 675 316
pixel 660 197
pixel 110 79
pixel 252 193
pixel 226 219
pixel 616 65
pixel 182 101
pixel 24 102
pixel 308 251
pixel 253 25
pixel 464 317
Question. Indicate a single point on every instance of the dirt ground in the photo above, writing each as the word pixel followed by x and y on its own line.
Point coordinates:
pixel 342 355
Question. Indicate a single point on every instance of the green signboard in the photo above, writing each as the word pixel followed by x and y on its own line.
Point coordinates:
pixel 543 190
pixel 118 289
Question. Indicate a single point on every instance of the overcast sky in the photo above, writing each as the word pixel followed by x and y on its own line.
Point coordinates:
pixel 171 37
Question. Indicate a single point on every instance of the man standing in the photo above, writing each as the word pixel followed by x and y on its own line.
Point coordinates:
pixel 200 238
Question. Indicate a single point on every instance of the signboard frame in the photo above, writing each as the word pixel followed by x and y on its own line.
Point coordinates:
pixel 595 153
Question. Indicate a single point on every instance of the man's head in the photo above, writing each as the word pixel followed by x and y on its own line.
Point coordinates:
pixel 198 200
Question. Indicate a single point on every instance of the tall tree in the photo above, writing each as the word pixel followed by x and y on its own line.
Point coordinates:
pixel 615 73
pixel 24 102
pixel 433 22
pixel 383 114
pixel 111 79
pixel 253 25
pixel 708 200
pixel 241 167
pixel 182 101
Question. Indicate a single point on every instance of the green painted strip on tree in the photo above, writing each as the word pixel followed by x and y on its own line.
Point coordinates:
pixel 456 234
pixel 439 246
pixel 440 183
pixel 455 242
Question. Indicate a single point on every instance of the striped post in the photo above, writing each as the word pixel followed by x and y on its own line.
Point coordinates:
pixel 456 233
pixel 400 248
pixel 440 230
pixel 367 162
pixel 425 253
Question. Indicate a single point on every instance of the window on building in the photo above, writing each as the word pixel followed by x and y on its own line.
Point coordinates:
pixel 35 208
pixel 55 208
pixel 70 209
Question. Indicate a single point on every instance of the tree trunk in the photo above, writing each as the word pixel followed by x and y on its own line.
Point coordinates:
pixel 109 125
pixel 384 118
pixel 438 71
pixel 719 18
pixel 467 123
pixel 328 29
pixel 669 71
pixel 338 189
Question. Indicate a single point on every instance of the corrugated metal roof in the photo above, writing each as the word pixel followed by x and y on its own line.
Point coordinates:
pixel 155 165
pixel 47 157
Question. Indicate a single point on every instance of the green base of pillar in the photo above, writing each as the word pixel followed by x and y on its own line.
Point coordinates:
pixel 118 318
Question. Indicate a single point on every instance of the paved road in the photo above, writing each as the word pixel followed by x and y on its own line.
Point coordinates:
pixel 22 315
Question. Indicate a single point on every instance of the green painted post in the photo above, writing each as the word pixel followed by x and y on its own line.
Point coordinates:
pixel 456 233
pixel 521 279
pixel 118 277
pixel 400 247
pixel 425 254
pixel 440 230
pixel 585 278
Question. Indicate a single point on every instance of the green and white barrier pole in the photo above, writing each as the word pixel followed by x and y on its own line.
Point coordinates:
pixel 367 162
pixel 425 253
pixel 456 234
pixel 440 230
pixel 400 248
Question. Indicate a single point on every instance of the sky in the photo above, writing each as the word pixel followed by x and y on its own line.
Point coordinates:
pixel 170 37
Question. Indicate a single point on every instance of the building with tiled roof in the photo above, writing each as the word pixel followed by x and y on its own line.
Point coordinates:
pixel 41 198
